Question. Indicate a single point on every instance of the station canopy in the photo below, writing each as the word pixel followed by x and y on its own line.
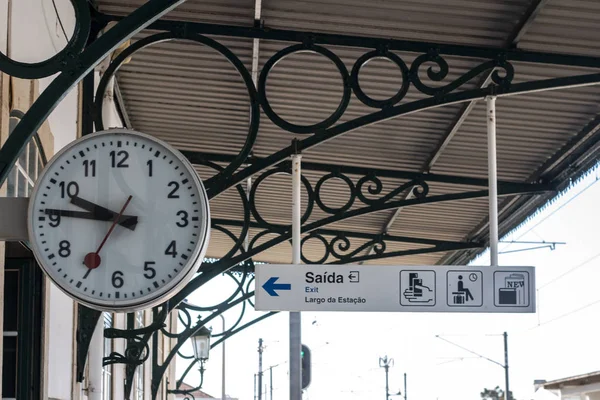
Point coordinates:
pixel 191 96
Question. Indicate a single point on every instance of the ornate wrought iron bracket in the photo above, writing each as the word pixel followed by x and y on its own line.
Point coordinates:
pixel 381 44
pixel 366 188
pixel 87 319
pixel 73 62
pixel 137 350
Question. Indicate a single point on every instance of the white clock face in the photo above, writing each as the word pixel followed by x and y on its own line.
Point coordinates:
pixel 119 220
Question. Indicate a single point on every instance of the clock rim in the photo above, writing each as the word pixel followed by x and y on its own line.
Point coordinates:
pixel 168 290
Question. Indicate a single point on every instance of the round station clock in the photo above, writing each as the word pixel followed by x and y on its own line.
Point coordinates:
pixel 119 220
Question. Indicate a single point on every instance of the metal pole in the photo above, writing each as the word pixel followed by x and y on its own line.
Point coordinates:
pixel 295 320
pixel 271 383
pixel 507 396
pixel 254 387
pixel 387 390
pixel 260 351
pixel 248 188
pixel 493 178
pixel 223 366
pixel 405 386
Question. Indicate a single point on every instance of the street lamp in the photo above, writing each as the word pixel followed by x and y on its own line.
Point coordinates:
pixel 386 363
pixel 201 344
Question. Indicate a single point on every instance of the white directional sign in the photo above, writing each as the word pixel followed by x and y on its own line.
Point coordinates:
pixel 395 288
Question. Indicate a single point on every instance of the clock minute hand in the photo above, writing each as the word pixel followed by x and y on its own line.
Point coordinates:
pixel 127 221
pixel 93 260
pixel 104 214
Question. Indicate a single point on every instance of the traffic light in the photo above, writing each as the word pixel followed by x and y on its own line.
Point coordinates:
pixel 305 355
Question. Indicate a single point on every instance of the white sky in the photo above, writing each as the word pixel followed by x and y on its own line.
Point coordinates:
pixel 558 341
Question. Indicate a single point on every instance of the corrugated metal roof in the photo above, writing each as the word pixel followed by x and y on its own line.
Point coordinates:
pixel 192 97
pixel 485 22
pixel 565 27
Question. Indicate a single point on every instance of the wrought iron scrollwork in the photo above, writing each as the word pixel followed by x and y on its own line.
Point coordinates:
pixel 65 59
pixel 340 247
pixel 189 393
pixel 443 69
pixel 362 61
pixel 304 129
pixel 367 192
pixel 179 34
pixel 137 350
pixel 192 317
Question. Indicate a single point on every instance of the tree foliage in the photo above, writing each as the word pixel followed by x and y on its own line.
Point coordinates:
pixel 495 394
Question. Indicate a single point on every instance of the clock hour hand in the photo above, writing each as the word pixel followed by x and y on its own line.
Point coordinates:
pixel 127 221
pixel 104 214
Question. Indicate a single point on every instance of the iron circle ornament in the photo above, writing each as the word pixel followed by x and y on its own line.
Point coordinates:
pixel 119 221
pixel 351 197
pixel 320 239
pixel 213 44
pixel 62 60
pixel 386 55
pixel 278 171
pixel 295 128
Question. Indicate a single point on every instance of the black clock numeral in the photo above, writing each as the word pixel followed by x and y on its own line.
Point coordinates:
pixel 149 272
pixel 149 164
pixel 64 248
pixel 121 163
pixel 172 195
pixel 89 167
pixel 117 279
pixel 184 219
pixel 70 189
pixel 54 220
pixel 171 249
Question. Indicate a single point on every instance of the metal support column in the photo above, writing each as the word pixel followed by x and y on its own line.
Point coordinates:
pixel 507 396
pixel 260 372
pixel 223 364
pixel 387 386
pixel 271 383
pixel 405 396
pixel 295 318
pixel 493 178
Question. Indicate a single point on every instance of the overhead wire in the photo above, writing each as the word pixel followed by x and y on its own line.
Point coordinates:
pixel 62 27
pixel 583 263
pixel 566 314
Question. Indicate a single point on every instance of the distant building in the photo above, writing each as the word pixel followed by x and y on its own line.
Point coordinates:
pixel 540 393
pixel 580 387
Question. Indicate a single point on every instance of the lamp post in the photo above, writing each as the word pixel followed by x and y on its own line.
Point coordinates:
pixel 386 363
pixel 223 366
pixel 201 347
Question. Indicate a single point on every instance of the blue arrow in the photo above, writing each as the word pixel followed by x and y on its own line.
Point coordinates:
pixel 270 286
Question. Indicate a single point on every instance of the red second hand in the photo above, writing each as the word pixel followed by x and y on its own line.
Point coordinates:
pixel 92 260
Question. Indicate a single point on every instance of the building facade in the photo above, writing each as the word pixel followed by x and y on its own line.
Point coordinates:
pixel 39 341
